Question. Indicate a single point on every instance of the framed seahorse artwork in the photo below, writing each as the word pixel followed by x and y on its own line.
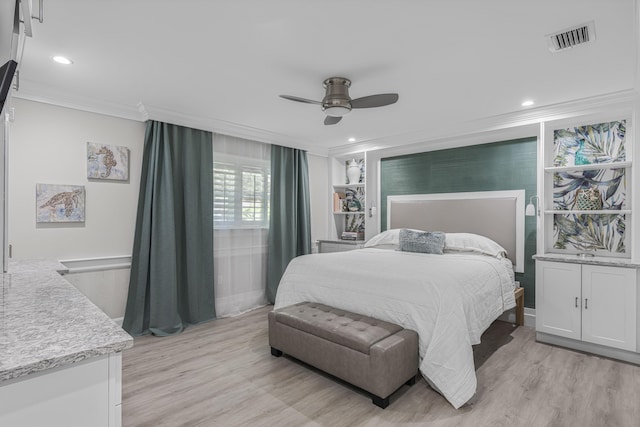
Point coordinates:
pixel 107 162
pixel 60 203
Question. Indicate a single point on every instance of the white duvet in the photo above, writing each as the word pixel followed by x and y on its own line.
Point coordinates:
pixel 450 300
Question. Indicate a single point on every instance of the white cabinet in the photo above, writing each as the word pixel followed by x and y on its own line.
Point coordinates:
pixel 83 394
pixel 558 294
pixel 609 306
pixel 590 303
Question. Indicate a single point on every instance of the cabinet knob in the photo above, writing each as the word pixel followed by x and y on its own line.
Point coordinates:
pixel 576 302
pixel 586 300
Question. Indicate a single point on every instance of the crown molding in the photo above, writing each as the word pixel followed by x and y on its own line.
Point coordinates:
pixel 442 135
pixel 38 93
pixel 512 125
pixel 230 128
pixel 142 112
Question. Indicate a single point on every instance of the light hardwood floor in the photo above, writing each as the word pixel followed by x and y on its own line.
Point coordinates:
pixel 222 374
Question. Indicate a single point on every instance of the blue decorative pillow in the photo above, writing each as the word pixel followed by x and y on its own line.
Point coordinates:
pixel 428 242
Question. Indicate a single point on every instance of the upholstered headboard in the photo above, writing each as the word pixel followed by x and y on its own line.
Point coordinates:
pixel 498 215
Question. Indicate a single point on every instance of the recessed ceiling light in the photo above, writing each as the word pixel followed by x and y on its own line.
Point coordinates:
pixel 62 60
pixel 527 103
pixel 352 139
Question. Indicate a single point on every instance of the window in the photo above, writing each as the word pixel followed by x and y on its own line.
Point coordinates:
pixel 241 193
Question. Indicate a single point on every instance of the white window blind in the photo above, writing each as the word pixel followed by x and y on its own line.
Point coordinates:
pixel 240 193
pixel 255 195
pixel 224 187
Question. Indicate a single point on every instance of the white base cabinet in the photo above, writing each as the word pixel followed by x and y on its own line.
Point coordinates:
pixel 83 394
pixel 589 303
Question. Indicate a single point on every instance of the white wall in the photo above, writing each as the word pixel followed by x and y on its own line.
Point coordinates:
pixel 319 189
pixel 107 289
pixel 48 145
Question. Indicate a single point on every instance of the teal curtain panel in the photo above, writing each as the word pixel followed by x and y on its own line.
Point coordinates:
pixel 505 165
pixel 290 223
pixel 171 284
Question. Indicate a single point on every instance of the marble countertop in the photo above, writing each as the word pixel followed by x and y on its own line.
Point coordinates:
pixel 595 260
pixel 45 322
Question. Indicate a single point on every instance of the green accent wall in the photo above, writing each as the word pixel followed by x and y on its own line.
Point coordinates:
pixel 505 165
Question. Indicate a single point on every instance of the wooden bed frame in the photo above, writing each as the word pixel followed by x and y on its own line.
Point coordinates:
pixel 498 215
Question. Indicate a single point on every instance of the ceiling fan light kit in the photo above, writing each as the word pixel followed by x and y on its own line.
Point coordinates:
pixel 335 110
pixel 337 102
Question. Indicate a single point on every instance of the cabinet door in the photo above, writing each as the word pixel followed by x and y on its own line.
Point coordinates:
pixel 609 306
pixel 558 298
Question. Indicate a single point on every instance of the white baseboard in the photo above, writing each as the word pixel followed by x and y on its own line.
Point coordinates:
pixel 118 321
pixel 610 352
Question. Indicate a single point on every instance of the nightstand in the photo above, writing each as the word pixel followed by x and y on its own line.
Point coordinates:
pixel 325 246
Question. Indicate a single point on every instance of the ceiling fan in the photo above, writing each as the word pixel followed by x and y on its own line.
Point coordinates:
pixel 337 102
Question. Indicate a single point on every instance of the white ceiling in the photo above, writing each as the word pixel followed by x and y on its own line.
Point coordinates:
pixel 220 65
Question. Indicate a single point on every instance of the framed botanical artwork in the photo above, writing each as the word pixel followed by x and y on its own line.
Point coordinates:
pixel 60 203
pixel 108 162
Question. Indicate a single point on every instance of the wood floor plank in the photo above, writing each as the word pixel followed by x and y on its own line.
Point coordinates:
pixel 222 374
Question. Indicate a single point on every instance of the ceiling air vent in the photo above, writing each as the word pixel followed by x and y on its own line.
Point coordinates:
pixel 572 37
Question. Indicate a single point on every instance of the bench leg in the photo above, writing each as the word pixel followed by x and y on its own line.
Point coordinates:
pixel 411 381
pixel 275 352
pixel 378 401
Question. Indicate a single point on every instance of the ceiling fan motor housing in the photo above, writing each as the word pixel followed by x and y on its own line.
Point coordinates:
pixel 336 101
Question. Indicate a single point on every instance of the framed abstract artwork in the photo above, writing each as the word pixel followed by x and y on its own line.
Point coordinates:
pixel 60 203
pixel 107 162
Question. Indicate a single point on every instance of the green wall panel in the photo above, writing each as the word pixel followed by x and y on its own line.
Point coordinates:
pixel 506 165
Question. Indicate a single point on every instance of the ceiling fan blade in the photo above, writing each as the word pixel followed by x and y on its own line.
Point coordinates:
pixel 330 120
pixel 379 100
pixel 295 98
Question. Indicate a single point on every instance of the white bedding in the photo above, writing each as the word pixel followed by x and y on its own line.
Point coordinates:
pixel 450 300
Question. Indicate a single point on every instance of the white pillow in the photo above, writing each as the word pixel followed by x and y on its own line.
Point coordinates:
pixel 469 242
pixel 389 239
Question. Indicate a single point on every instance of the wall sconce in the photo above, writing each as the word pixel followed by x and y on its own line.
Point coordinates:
pixel 532 210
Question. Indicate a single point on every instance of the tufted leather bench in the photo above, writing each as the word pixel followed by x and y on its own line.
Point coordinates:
pixel 376 356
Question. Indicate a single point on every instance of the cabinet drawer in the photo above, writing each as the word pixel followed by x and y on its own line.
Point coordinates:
pixel 324 247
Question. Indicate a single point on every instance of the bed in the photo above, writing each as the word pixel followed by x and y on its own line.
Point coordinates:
pixel 448 298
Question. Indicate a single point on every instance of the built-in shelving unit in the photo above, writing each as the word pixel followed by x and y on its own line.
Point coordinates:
pixel 348 198
pixel 587 282
pixel 587 186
